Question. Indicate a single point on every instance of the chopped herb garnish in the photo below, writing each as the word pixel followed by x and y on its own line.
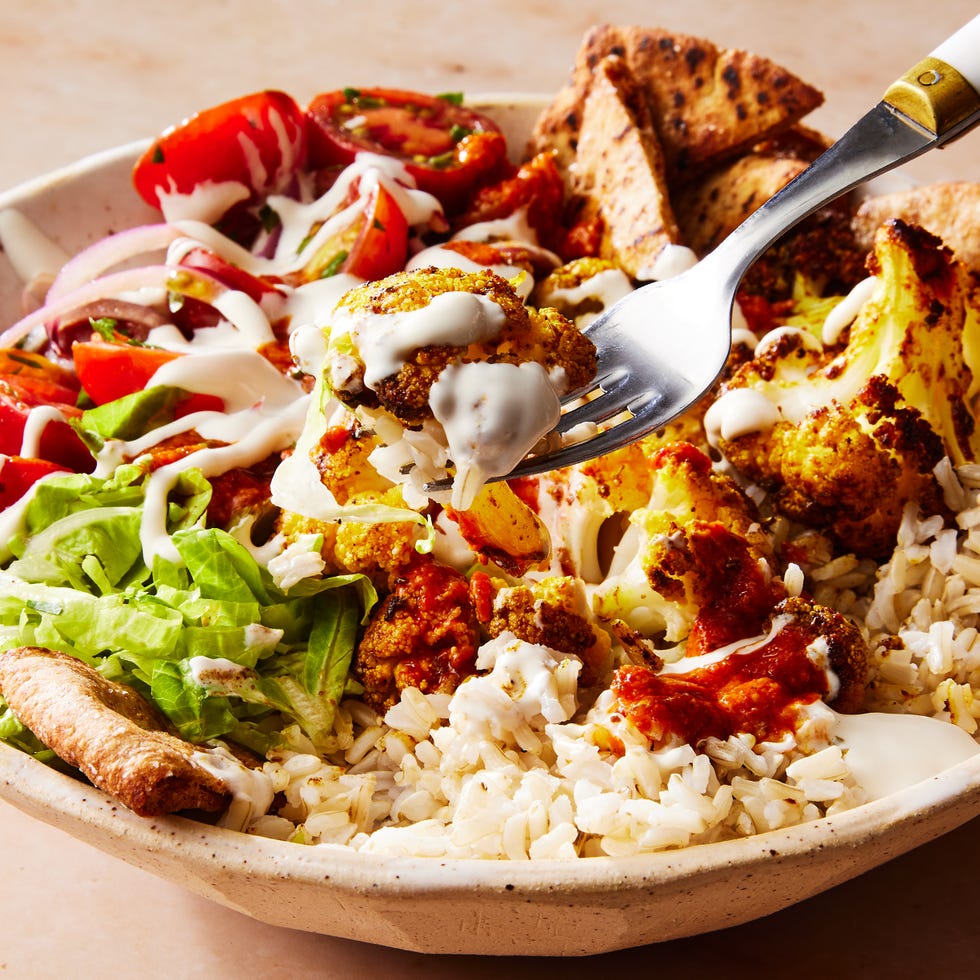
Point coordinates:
pixel 458 132
pixel 105 327
pixel 26 361
pixel 456 98
pixel 378 225
pixel 269 218
pixel 158 154
pixel 333 266
pixel 442 161
pixel 355 97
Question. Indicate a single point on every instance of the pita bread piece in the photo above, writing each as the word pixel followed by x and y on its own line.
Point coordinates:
pixel 710 209
pixel 109 732
pixel 706 102
pixel 950 211
pixel 619 171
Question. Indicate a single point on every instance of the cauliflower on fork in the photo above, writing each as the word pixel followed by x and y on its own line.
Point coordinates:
pixel 455 364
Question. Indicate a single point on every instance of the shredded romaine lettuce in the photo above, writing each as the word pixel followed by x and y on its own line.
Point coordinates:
pixel 78 584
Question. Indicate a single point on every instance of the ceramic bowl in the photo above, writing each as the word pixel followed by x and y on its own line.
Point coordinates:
pixel 547 908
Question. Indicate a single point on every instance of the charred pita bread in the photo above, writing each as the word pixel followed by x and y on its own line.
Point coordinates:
pixel 619 171
pixel 108 731
pixel 710 209
pixel 705 102
pixel 950 211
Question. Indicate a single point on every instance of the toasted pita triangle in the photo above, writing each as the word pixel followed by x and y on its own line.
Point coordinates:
pixel 705 102
pixel 619 170
pixel 950 211
pixel 710 209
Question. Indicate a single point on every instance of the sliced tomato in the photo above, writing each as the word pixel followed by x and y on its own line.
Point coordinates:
pixel 258 140
pixel 28 367
pixel 536 186
pixel 18 475
pixel 59 443
pixel 373 246
pixel 448 148
pixel 110 371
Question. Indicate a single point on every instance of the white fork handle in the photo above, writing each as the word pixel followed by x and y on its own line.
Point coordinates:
pixel 962 52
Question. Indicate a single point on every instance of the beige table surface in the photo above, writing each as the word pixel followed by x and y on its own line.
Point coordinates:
pixel 77 76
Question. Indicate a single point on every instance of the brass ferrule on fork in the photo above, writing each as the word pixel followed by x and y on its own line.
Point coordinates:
pixel 935 96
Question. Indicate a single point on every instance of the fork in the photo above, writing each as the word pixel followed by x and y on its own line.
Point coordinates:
pixel 663 346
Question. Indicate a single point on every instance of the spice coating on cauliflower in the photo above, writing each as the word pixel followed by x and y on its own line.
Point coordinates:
pixel 507 332
pixel 843 435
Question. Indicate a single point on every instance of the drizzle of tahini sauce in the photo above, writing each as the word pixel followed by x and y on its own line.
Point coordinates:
pixel 889 752
pixel 38 419
pixel 265 412
pixel 845 312
pixel 737 413
pixel 385 340
pixel 251 789
pixel 492 414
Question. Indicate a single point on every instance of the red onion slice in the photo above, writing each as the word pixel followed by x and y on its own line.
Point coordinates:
pixel 107 253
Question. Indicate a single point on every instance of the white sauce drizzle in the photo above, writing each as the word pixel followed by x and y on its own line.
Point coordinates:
pixel 773 337
pixel 447 258
pixel 737 413
pixel 888 752
pixel 385 340
pixel 37 421
pixel 241 378
pixel 844 313
pixel 207 202
pixel 492 414
pixel 312 303
pixel 368 171
pixel 607 287
pixel 261 435
pixel 514 228
pixel 251 789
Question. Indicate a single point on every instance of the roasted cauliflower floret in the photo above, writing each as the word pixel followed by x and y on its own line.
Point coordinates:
pixel 554 613
pixel 341 457
pixel 583 288
pixel 424 634
pixel 391 339
pixel 378 550
pixel 844 434
pixel 586 507
pixel 457 376
pixel 695 559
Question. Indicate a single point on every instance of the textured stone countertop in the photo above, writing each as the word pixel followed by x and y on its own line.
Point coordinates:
pixel 84 76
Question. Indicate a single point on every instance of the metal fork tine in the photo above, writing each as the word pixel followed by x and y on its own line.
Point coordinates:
pixel 605 442
pixel 605 406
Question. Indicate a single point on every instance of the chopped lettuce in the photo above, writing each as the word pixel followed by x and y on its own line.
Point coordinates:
pixel 78 583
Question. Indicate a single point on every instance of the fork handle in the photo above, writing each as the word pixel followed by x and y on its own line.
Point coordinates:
pixel 930 105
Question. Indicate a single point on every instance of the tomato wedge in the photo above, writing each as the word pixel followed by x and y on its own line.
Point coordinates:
pixel 18 475
pixel 109 371
pixel 257 140
pixel 33 369
pixel 373 246
pixel 58 441
pixel 448 148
